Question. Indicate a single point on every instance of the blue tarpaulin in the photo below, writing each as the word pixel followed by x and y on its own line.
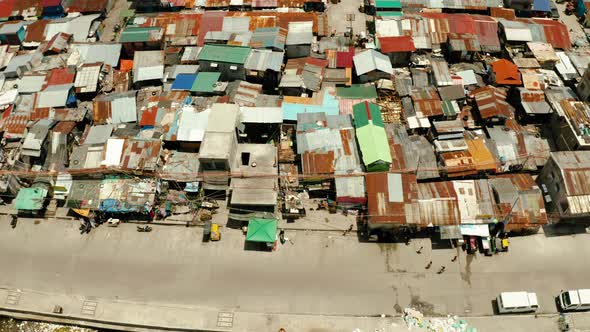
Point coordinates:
pixel 184 82
pixel 541 6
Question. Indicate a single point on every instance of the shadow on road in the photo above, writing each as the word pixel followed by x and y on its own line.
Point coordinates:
pixel 564 230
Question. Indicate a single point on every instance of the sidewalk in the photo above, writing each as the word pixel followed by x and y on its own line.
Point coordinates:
pixel 133 316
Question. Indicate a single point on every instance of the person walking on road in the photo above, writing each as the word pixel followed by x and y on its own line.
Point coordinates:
pixel 442 269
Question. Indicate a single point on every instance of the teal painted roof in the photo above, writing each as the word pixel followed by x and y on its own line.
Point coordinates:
pixel 30 199
pixel 133 34
pixel 390 13
pixel 224 53
pixel 373 144
pixel 366 113
pixel 205 82
pixel 357 91
pixel 330 106
pixel 388 4
pixel 262 230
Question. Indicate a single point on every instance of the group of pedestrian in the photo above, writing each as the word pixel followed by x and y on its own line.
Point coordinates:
pixel 442 268
pixel 93 220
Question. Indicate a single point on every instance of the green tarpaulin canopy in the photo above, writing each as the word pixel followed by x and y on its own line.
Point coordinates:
pixel 262 230
pixel 30 199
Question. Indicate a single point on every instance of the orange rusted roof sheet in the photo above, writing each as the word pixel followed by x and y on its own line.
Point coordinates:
pixel 458 163
pixel 317 163
pixel 482 157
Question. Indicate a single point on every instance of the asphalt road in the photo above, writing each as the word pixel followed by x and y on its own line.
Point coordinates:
pixel 319 272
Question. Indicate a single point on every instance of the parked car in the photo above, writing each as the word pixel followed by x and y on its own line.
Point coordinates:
pixel 574 300
pixel 516 302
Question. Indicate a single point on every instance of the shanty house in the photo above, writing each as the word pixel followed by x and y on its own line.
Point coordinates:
pixel 148 66
pixel 299 39
pixel 399 49
pixel 371 65
pixel 254 192
pixel 505 72
pixel 391 201
pixel 370 132
pixel 532 106
pixel 227 60
pixel 565 181
pixel 219 147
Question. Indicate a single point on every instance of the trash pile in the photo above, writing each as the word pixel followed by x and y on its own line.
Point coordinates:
pixel 415 319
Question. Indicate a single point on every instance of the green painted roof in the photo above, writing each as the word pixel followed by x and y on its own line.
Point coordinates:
pixel 205 82
pixel 388 4
pixel 366 113
pixel 390 13
pixel 30 198
pixel 373 144
pixel 262 230
pixel 134 34
pixel 224 53
pixel 357 91
pixel 448 109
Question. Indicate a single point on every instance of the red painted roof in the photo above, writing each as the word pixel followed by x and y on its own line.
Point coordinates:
pixel 210 21
pixel 506 72
pixel 6 7
pixel 50 3
pixel 59 76
pixel 556 33
pixel 344 59
pixel 462 23
pixel 148 117
pixel 397 44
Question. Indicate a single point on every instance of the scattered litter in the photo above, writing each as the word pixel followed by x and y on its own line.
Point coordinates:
pixel 415 319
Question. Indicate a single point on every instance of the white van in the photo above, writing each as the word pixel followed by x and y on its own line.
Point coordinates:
pixel 513 302
pixel 574 300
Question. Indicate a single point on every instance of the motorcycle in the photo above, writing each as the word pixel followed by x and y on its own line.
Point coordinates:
pixel 144 229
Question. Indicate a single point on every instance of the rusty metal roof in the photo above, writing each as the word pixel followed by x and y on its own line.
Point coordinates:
pixel 458 163
pixel 491 102
pixel 141 154
pixel 392 198
pixel 317 163
pixel 438 204
pixel 520 198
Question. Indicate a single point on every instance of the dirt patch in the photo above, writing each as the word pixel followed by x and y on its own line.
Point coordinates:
pixel 426 308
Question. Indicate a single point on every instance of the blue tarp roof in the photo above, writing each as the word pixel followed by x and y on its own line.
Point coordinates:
pixel 184 82
pixel 541 6
pixel 329 106
pixel 116 206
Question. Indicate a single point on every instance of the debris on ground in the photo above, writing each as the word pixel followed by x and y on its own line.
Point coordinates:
pixel 415 319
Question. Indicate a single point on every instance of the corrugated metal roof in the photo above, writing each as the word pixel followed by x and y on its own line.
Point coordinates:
pixel 396 44
pixel 437 203
pixel 440 68
pixel 397 209
pixel 97 52
pixel 262 60
pixel 247 93
pixel 274 37
pixel 556 33
pixel 54 96
pixel 491 102
pixel 206 82
pixel 141 154
pixel 223 53
pixel 370 60
pixel 299 33
pixel 31 83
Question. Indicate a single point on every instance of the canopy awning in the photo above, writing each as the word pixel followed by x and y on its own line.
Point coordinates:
pixel 262 230
pixel 450 232
pixel 482 230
